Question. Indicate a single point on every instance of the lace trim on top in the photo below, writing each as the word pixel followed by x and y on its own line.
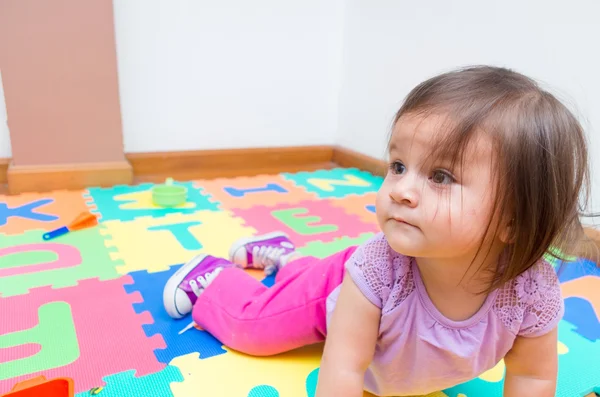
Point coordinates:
pixel 531 304
pixel 387 274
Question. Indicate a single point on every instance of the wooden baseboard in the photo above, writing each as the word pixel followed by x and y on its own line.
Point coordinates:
pixel 68 176
pixel 208 164
pixel 183 165
pixel 3 170
pixel 156 167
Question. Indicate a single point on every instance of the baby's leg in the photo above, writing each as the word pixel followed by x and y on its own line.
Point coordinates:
pixel 249 317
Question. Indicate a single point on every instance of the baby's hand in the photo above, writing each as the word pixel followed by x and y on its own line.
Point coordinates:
pixel 350 344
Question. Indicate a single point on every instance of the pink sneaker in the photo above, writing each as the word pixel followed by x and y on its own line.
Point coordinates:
pixel 184 287
pixel 269 252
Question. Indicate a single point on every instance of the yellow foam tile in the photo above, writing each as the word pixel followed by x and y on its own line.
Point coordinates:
pixel 154 244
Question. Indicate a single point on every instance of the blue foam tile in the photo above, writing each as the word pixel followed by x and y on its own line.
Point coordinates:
pixel 150 286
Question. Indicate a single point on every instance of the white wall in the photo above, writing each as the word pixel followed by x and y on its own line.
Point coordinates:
pixel 230 73
pixel 390 46
pixel 5 149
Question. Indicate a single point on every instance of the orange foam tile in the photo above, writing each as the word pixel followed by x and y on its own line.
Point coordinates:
pixel 45 211
pixel 357 205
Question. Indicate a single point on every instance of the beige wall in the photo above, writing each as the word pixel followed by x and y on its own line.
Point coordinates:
pixel 59 70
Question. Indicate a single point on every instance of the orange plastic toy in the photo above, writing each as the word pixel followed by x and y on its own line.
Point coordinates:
pixel 38 387
pixel 83 220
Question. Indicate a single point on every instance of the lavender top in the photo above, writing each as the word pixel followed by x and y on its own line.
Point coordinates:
pixel 420 351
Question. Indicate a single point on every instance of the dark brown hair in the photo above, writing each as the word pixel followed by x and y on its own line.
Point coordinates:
pixel 540 156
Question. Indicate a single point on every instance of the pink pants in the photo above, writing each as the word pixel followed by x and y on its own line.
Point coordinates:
pixel 254 319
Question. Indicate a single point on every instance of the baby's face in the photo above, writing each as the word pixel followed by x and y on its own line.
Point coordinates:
pixel 428 209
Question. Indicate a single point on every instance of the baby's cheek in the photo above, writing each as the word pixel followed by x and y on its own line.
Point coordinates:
pixel 473 217
pixel 381 207
pixel 466 220
pixel 474 212
pixel 478 221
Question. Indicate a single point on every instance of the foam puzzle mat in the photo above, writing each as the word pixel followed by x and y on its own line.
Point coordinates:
pixel 88 305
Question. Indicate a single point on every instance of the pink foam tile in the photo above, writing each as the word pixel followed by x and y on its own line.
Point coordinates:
pixel 246 192
pixel 306 221
pixel 109 332
pixel 17 352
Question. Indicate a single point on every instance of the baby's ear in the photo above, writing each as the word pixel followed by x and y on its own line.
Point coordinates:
pixel 507 232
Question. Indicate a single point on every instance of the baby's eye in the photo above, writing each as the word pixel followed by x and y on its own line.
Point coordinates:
pixel 442 178
pixel 397 168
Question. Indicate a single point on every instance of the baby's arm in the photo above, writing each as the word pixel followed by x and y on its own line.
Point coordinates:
pixel 350 343
pixel 532 366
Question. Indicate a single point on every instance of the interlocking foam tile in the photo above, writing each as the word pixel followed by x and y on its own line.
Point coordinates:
pixel 361 206
pixel 581 314
pixel 126 384
pixel 150 286
pixel 580 288
pixel 238 375
pixel 338 182
pixel 290 374
pixel 582 301
pixel 85 332
pixel 153 244
pixel 578 370
pixel 311 386
pixel 129 202
pixel 305 221
pixel 27 261
pixel 581 268
pixel 320 249
pixel 45 211
pixel 266 190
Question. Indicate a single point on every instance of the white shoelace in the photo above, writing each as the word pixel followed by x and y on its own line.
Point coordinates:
pixel 204 281
pixel 267 257
pixel 189 326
